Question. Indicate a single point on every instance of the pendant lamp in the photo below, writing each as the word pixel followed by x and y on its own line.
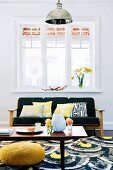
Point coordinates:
pixel 59 16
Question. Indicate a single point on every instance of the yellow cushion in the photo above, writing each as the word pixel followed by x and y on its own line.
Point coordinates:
pixel 65 109
pixel 31 110
pixel 22 154
pixel 46 109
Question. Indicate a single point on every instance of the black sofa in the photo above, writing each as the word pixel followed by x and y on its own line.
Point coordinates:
pixel 90 122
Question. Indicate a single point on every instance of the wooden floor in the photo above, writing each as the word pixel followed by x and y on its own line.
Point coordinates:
pixel 108 133
pixel 97 133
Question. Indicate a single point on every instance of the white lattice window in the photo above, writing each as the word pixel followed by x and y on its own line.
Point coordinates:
pixel 47 55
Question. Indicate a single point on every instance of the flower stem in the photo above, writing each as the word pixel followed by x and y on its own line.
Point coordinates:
pixel 81 81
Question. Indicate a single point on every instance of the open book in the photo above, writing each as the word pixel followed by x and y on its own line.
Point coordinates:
pixel 5 131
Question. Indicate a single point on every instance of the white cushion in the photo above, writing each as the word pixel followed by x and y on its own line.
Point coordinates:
pixel 32 111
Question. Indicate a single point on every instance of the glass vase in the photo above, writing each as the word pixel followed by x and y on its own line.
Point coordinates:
pixel 69 127
pixel 58 122
pixel 81 81
pixel 49 129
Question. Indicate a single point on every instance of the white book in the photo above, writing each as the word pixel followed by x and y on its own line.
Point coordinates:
pixel 5 131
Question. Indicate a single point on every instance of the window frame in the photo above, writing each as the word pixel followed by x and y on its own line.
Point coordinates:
pixel 15 87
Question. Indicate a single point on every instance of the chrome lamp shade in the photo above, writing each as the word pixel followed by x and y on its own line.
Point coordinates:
pixel 59 16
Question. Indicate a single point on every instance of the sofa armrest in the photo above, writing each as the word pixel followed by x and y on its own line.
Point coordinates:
pixel 11 112
pixel 100 112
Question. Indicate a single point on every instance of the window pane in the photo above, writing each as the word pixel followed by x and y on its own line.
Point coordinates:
pixel 32 67
pixel 56 56
pixel 80 53
pixel 26 42
pixel 30 37
pixel 36 42
pixel 80 58
pixel 56 67
pixel 85 44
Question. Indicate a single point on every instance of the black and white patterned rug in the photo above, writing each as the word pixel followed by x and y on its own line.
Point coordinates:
pixel 91 153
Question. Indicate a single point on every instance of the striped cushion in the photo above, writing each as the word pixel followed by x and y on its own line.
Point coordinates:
pixel 79 110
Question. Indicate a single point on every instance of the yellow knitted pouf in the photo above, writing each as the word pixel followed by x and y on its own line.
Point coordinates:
pixel 22 153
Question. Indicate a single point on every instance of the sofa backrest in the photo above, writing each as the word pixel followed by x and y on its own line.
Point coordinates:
pixel 57 100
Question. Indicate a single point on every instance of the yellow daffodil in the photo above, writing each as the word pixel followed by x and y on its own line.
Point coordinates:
pixel 82 70
pixel 80 73
pixel 88 70
pixel 72 77
pixel 48 122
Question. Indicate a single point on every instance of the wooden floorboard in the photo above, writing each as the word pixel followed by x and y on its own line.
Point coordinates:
pixel 108 133
pixel 97 133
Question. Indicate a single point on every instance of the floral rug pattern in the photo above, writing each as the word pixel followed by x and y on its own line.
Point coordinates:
pixel 91 153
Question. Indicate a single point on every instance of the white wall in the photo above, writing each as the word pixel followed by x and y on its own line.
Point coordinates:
pixel 102 9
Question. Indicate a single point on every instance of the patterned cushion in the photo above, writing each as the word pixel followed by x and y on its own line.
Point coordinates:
pixel 79 110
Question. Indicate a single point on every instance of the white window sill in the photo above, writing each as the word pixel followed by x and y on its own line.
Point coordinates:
pixel 54 91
